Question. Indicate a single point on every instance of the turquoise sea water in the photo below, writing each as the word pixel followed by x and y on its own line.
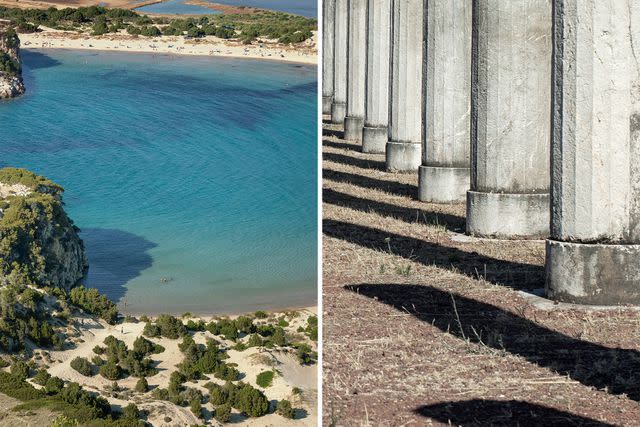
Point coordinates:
pixel 200 171
pixel 308 8
pixel 176 7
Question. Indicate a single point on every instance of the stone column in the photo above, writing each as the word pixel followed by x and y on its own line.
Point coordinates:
pixel 328 18
pixel 593 256
pixel 404 147
pixel 444 174
pixel 376 117
pixel 356 69
pixel 339 105
pixel 510 119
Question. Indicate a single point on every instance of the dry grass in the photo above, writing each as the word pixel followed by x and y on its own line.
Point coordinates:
pixel 423 326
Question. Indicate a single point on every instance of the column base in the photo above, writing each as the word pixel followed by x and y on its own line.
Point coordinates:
pixel 508 216
pixel 326 104
pixel 338 112
pixel 592 273
pixel 443 184
pixel 353 128
pixel 374 139
pixel 403 156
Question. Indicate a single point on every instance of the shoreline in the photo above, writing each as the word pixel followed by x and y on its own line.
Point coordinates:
pixel 209 46
pixel 208 316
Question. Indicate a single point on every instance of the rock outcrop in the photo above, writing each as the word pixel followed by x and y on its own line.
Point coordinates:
pixel 39 245
pixel 11 84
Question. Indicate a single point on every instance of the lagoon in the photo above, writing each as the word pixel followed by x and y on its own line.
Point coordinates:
pixel 193 179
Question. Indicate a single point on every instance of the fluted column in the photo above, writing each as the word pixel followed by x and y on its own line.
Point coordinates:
pixel 593 256
pixel 404 147
pixel 328 19
pixel 376 117
pixel 444 174
pixel 339 105
pixel 510 119
pixel 356 69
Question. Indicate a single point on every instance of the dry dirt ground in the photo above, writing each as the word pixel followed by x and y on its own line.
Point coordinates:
pixel 425 326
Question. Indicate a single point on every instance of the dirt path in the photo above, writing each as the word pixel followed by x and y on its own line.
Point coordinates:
pixel 423 325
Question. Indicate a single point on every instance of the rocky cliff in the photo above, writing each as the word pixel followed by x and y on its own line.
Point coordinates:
pixel 39 245
pixel 11 84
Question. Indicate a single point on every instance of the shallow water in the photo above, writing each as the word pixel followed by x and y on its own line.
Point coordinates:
pixel 176 7
pixel 193 179
pixel 308 8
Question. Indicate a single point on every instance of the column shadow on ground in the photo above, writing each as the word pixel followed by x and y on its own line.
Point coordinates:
pixel 502 413
pixel 341 145
pixel 333 132
pixel 354 161
pixel 519 276
pixel 614 369
pixel 397 188
pixel 408 215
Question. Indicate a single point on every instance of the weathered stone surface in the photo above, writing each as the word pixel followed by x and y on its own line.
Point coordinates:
pixel 339 104
pixel 328 28
pixel 510 112
pixel 376 118
pixel 356 69
pixel 405 133
pixel 444 174
pixel 593 254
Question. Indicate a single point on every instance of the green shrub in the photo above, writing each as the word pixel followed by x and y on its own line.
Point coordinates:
pixel 217 394
pixel 226 372
pixel 83 366
pixel 260 314
pixel 131 412
pixel 284 408
pixel 53 385
pixel 92 301
pixel 18 388
pixel 144 347
pixel 142 386
pixel 196 407
pixel 249 400
pixel 111 371
pixel 265 379
pixel 41 377
pixel 20 370
pixel 223 413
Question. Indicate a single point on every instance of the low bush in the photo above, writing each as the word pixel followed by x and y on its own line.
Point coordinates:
pixel 264 379
pixel 83 366
pixel 284 408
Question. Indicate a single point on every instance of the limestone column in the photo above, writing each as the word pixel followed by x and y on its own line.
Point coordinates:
pixel 328 18
pixel 376 113
pixel 510 119
pixel 356 69
pixel 444 174
pixel 593 255
pixel 404 147
pixel 339 105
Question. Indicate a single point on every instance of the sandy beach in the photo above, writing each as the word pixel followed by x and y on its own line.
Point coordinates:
pixel 207 46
